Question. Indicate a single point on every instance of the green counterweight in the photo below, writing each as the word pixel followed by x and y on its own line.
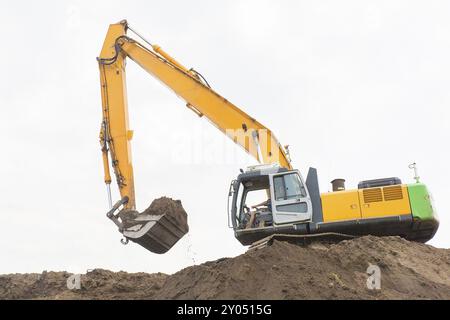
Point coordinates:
pixel 421 202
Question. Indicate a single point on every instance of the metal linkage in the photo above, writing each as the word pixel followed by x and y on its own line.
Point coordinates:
pixel 139 35
pixel 111 212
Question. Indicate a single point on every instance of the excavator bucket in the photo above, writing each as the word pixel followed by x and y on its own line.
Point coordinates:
pixel 158 228
pixel 157 234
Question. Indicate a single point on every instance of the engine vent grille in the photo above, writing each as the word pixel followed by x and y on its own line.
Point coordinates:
pixel 372 195
pixel 393 193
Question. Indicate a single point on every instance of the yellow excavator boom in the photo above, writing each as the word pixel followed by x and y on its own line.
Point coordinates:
pixel 189 85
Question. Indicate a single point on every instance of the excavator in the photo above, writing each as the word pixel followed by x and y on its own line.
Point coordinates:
pixel 294 206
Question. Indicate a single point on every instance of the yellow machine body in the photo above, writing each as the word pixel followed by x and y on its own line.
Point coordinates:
pixel 366 203
pixel 342 205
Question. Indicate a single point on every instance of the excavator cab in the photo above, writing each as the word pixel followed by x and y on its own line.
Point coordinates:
pixel 287 202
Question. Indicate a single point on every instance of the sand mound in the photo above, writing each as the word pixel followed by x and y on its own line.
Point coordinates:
pixel 282 271
pixel 319 271
pixel 96 284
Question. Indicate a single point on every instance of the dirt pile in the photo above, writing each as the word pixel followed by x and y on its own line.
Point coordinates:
pixel 319 271
pixel 282 271
pixel 95 284
pixel 172 209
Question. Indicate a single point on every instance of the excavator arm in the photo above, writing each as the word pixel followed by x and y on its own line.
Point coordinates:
pixel 115 133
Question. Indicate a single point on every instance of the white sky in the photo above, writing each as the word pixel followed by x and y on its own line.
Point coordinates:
pixel 359 89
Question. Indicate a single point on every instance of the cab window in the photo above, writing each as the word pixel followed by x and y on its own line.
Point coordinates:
pixel 288 186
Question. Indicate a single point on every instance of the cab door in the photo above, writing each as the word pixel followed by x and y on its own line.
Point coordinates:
pixel 289 198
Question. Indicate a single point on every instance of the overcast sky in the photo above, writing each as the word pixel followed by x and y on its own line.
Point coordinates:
pixel 359 89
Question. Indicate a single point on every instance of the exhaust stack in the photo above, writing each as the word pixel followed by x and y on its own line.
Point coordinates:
pixel 338 185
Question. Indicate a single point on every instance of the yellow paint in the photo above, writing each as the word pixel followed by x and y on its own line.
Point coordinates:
pixel 365 203
pixel 115 114
pixel 341 205
pixel 384 201
pixel 166 56
pixel 130 135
